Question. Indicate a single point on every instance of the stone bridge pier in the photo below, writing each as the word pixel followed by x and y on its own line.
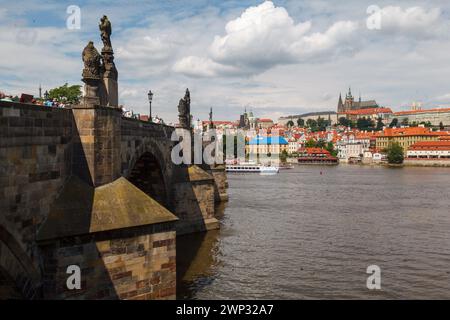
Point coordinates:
pixel 87 187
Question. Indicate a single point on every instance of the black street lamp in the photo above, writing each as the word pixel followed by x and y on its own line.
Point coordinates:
pixel 150 98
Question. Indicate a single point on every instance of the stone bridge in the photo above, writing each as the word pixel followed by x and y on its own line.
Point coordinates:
pixel 86 187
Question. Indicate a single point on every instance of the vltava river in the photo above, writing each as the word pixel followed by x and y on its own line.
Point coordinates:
pixel 311 232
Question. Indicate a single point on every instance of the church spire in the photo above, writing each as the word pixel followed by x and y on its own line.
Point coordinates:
pixel 340 103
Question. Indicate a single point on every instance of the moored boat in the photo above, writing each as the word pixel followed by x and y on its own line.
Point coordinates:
pixel 245 167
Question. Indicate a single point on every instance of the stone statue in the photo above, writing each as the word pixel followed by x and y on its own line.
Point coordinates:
pixel 184 111
pixel 92 73
pixel 92 62
pixel 109 93
pixel 105 29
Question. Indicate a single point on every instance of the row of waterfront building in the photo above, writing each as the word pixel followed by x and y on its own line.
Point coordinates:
pixel 359 131
pixel 346 144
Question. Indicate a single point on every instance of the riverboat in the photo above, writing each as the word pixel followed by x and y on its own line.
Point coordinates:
pixel 245 167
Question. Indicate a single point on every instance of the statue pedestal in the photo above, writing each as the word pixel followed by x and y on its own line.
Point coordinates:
pixel 110 78
pixel 91 96
pixel 89 102
pixel 112 92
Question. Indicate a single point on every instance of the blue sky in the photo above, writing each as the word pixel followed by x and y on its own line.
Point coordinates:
pixel 277 58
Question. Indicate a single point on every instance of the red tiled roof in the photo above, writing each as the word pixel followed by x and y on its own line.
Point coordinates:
pixel 314 151
pixel 409 131
pixel 265 120
pixel 368 111
pixel 431 145
pixel 217 122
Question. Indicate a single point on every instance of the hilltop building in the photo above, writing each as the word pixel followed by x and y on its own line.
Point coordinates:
pixel 368 113
pixel 350 103
pixel 436 116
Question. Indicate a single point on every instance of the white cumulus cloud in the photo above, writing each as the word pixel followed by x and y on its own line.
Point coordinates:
pixel 203 67
pixel 413 21
pixel 263 37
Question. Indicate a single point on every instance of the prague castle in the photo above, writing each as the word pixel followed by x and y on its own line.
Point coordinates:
pixel 351 104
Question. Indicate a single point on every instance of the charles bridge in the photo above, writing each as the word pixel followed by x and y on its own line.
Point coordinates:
pixel 88 187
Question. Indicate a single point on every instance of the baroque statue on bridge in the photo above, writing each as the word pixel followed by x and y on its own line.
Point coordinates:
pixel 92 62
pixel 92 74
pixel 105 29
pixel 109 94
pixel 184 110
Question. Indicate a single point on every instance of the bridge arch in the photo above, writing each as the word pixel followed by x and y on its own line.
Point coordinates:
pixel 150 170
pixel 146 174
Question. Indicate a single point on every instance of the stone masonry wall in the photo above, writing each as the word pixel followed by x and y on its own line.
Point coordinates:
pixel 194 203
pixel 127 264
pixel 220 182
pixel 97 144
pixel 35 160
pixel 427 162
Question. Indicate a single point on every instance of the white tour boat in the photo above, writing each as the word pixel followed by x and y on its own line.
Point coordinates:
pixel 251 167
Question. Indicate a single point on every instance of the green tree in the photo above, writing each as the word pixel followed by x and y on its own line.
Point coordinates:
pixel 343 121
pixel 290 123
pixel 300 122
pixel 394 123
pixel 310 143
pixel 330 148
pixel 365 124
pixel 66 93
pixel 395 153
pixel 380 124
pixel 322 124
pixel 312 124
pixel 441 126
pixel 405 121
pixel 283 156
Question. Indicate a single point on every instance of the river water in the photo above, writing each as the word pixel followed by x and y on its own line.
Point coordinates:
pixel 312 231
